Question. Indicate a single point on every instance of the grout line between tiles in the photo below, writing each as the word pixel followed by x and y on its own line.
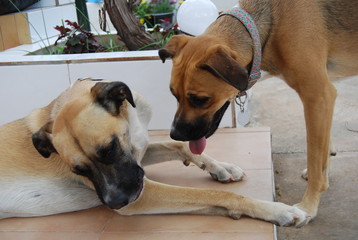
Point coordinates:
pixel 165 132
pixel 107 223
pixel 47 231
pixel 214 232
pixel 114 232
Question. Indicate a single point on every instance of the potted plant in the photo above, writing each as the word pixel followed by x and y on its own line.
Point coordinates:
pixel 154 12
pixel 77 40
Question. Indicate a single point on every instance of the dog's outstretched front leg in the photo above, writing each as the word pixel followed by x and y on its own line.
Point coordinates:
pixel 166 151
pixel 158 198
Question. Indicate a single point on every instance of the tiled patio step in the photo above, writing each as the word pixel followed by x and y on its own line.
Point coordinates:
pixel 250 148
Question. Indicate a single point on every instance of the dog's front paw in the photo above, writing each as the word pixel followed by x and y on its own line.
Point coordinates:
pixel 225 172
pixel 285 216
pixel 220 171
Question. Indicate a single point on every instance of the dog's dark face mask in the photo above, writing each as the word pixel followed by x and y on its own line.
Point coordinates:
pixel 91 134
pixel 115 174
pixel 202 126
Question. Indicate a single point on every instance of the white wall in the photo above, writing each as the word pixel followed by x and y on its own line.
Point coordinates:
pixel 42 20
pixel 24 88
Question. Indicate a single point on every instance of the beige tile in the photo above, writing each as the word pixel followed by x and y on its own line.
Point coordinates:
pixel 91 220
pixel 255 150
pixel 188 235
pixel 185 223
pixel 250 148
pixel 48 235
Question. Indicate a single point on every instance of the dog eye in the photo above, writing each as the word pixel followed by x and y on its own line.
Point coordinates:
pixel 81 170
pixel 108 154
pixel 198 102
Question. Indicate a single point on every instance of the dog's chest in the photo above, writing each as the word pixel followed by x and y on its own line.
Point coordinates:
pixel 139 138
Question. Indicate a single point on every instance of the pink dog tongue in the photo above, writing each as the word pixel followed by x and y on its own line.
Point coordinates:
pixel 197 146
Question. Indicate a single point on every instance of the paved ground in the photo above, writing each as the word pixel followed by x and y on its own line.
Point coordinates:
pixel 274 104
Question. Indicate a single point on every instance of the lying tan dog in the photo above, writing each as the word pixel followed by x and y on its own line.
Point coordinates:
pixel 306 42
pixel 87 148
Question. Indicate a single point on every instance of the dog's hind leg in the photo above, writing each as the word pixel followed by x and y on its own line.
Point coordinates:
pixel 40 197
pixel 166 151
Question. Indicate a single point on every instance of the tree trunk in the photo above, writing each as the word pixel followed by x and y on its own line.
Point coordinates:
pixel 128 27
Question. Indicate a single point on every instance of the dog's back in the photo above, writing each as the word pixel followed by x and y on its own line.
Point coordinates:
pixel 324 28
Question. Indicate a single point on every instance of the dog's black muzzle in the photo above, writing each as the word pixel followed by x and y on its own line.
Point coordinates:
pixel 126 190
pixel 118 184
pixel 183 130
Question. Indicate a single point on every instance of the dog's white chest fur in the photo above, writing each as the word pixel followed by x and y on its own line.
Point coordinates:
pixel 139 118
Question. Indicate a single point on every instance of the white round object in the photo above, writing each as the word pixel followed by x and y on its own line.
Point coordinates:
pixel 194 16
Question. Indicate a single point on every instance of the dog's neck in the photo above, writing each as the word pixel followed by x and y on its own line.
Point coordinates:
pixel 240 41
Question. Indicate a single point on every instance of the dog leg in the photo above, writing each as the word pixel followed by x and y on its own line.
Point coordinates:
pixel 158 198
pixel 318 97
pixel 332 152
pixel 318 115
pixel 165 151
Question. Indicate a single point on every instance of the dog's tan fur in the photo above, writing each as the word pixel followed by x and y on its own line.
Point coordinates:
pixel 71 131
pixel 306 42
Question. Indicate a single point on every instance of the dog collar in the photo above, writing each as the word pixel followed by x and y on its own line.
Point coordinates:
pixel 245 18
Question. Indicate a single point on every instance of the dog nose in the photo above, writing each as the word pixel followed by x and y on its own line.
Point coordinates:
pixel 117 201
pixel 120 193
pixel 186 131
pixel 176 135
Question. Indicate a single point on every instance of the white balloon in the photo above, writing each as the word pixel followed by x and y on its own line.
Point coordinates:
pixel 194 16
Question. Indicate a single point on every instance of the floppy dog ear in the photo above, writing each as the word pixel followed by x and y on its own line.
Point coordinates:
pixel 173 47
pixel 42 140
pixel 222 65
pixel 111 95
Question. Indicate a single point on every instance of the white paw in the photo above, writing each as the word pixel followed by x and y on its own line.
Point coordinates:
pixel 220 171
pixel 225 172
pixel 304 174
pixel 286 215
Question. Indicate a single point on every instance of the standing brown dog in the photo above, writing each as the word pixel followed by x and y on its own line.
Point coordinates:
pixel 306 42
